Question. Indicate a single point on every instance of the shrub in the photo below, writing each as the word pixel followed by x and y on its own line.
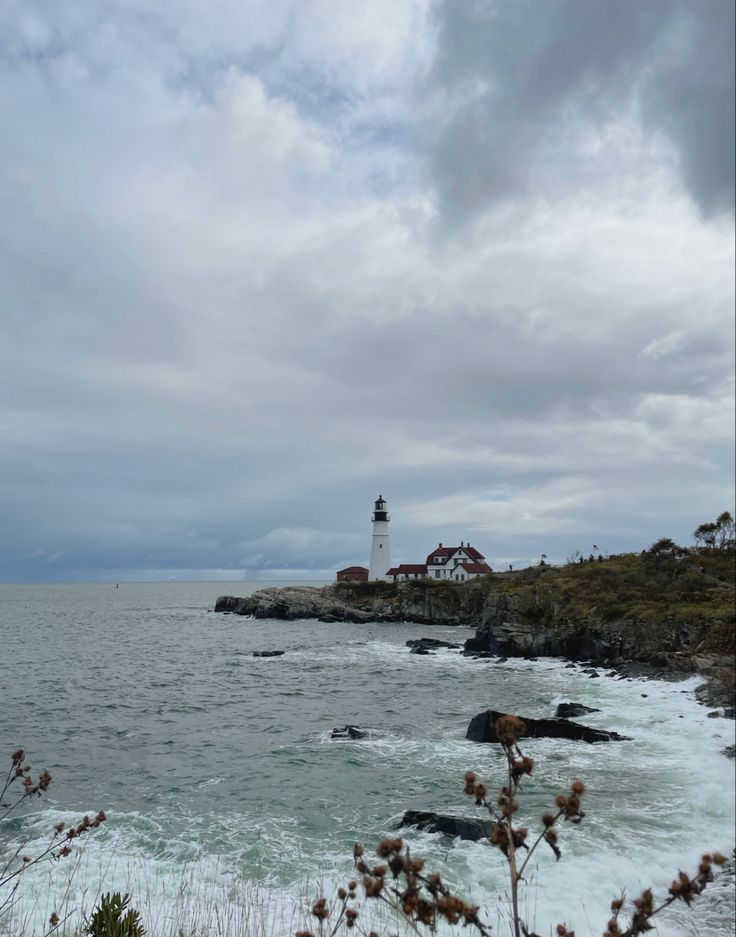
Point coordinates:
pixel 113 918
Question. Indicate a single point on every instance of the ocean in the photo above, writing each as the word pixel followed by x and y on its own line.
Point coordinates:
pixel 230 808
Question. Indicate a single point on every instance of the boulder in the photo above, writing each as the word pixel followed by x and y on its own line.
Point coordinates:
pixel 268 653
pixel 465 827
pixel 348 732
pixel 482 728
pixel 571 710
pixel 476 646
pixel 430 643
pixel 227 603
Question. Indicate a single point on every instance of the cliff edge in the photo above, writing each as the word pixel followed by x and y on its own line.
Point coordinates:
pixel 670 613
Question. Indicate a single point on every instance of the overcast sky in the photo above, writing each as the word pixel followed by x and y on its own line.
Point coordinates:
pixel 262 261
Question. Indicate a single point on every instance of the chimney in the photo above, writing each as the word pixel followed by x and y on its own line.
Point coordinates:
pixel 440 544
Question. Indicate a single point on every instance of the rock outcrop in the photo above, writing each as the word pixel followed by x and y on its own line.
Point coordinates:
pixel 465 827
pixel 423 602
pixel 293 602
pixel 571 710
pixel 429 645
pixel 349 732
pixel 482 728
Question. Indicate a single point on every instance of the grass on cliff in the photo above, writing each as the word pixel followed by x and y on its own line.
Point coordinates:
pixel 697 588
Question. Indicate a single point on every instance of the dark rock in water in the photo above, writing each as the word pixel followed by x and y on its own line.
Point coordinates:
pixel 482 728
pixel 465 827
pixel 570 666
pixel 430 642
pixel 712 695
pixel 730 751
pixel 592 676
pixel 591 671
pixel 476 646
pixel 227 603
pixel 268 653
pixel 502 660
pixel 425 652
pixel 571 710
pixel 348 732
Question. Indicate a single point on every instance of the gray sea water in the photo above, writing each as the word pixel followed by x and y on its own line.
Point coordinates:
pixel 230 807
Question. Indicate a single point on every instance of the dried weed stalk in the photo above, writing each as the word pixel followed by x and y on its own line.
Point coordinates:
pixel 19 786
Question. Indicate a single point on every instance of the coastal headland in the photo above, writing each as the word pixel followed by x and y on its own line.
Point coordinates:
pixel 653 615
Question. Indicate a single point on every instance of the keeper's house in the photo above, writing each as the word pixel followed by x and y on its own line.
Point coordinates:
pixel 453 564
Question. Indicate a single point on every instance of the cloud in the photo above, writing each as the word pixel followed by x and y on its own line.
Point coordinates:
pixel 665 345
pixel 534 100
pixel 235 309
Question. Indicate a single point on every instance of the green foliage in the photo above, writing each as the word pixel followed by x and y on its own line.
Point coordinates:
pixel 706 534
pixel 718 534
pixel 113 918
pixel 695 589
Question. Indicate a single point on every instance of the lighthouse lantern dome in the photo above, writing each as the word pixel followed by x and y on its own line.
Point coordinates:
pixel 380 512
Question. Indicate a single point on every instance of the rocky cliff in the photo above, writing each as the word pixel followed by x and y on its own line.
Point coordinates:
pixel 673 617
pixel 422 601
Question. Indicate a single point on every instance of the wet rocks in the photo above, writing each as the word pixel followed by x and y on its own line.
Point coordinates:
pixel 293 602
pixel 268 653
pixel 427 646
pixel 712 695
pixel 420 601
pixel 571 710
pixel 348 732
pixel 465 827
pixel 482 728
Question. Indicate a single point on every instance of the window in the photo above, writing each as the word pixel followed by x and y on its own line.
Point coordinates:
pixel 436 574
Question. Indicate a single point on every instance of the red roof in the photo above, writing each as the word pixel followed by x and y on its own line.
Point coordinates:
pixel 407 568
pixel 448 551
pixel 476 567
pixel 471 551
pixel 352 569
pixel 441 551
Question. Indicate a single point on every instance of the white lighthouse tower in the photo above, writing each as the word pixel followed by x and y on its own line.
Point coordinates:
pixel 380 549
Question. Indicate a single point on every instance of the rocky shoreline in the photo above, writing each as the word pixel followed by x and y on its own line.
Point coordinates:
pixel 668 647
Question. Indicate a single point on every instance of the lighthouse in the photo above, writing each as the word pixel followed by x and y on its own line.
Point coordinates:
pixel 380 549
